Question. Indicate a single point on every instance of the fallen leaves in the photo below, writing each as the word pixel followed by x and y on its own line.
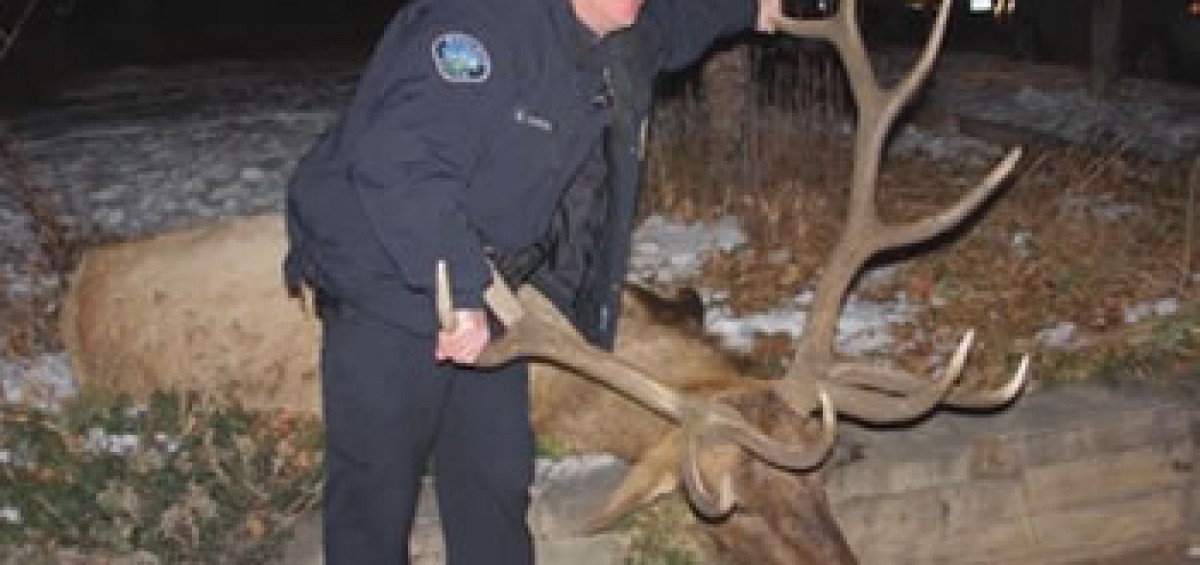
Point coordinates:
pixel 189 480
pixel 1041 255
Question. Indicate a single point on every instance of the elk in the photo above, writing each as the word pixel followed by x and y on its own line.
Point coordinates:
pixel 206 309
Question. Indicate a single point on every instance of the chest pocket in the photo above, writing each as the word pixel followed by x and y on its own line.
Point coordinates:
pixel 527 150
pixel 516 180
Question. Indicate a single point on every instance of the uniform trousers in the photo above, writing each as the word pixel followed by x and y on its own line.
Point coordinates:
pixel 391 414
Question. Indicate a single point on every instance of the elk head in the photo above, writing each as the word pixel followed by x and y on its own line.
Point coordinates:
pixel 818 384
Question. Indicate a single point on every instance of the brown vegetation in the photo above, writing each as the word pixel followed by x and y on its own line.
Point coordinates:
pixel 193 310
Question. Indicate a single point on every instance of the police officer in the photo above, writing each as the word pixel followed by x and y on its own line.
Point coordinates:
pixel 501 129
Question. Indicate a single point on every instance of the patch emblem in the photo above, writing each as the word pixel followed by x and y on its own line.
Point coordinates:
pixel 461 58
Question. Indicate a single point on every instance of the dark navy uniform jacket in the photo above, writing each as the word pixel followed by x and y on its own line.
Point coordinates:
pixel 465 128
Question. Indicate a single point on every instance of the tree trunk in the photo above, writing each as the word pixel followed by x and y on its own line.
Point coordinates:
pixel 725 79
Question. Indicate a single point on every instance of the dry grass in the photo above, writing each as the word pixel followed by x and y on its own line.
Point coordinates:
pixel 30 313
pixel 180 479
pixel 176 480
pixel 669 533
pixel 1081 235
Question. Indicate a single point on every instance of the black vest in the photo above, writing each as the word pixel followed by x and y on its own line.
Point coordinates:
pixel 579 263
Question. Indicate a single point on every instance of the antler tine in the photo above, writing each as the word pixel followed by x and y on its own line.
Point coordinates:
pixel 997 397
pixel 723 423
pixel 877 105
pixel 889 381
pixel 842 31
pixel 538 331
pixel 720 424
pixel 708 505
pixel 903 92
pixel 499 297
pixel 444 301
pixel 926 228
pixel 875 407
pixel 862 390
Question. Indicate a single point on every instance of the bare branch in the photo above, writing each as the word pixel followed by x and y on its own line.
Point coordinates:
pixel 8 38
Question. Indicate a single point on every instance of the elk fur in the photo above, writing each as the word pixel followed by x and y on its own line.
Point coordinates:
pixel 205 310
pixel 198 309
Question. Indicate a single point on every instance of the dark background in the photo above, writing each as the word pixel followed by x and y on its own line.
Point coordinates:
pixel 61 38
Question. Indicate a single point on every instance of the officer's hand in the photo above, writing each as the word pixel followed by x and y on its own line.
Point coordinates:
pixel 768 12
pixel 467 340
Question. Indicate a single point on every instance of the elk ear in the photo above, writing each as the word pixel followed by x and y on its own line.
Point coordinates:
pixel 684 308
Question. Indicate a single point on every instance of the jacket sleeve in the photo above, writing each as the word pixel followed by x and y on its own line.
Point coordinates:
pixel 685 29
pixel 411 166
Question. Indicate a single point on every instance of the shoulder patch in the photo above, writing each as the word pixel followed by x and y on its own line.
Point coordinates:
pixel 459 57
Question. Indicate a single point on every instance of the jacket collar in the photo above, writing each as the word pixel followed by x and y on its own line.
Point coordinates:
pixel 576 37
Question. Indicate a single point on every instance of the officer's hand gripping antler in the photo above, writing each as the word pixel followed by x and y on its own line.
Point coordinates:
pixel 535 329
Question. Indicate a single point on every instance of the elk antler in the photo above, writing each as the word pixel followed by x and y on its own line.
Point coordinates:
pixel 535 329
pixel 863 390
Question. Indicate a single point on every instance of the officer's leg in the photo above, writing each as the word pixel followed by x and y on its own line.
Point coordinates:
pixel 483 468
pixel 382 397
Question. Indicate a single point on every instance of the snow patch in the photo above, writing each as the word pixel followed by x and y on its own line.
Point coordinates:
pixel 44 381
pixel 1158 308
pixel 1061 336
pixel 666 251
